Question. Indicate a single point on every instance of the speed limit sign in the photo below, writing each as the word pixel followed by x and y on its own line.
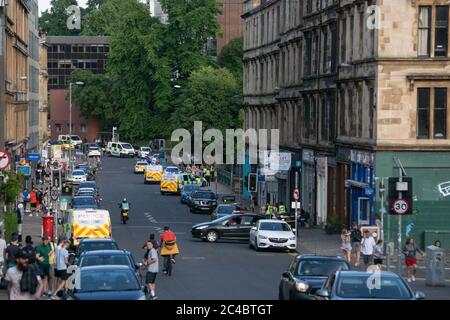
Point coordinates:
pixel 400 207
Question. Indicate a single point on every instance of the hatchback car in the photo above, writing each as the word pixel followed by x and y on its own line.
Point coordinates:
pixel 84 202
pixel 186 192
pixel 274 234
pixel 234 226
pixel 307 274
pixel 96 244
pixel 224 210
pixel 144 152
pixel 77 176
pixel 361 285
pixel 111 282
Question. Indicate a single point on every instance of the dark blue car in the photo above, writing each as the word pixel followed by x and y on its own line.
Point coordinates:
pixel 84 202
pixel 111 282
pixel 187 189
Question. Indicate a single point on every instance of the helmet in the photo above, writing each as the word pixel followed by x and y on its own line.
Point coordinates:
pixel 124 200
pixel 166 228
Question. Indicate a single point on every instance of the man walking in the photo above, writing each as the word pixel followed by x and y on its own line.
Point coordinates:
pixel 2 253
pixel 43 253
pixel 11 251
pixel 33 202
pixel 62 261
pixel 26 199
pixel 355 237
pixel 367 247
pixel 152 264
pixel 269 211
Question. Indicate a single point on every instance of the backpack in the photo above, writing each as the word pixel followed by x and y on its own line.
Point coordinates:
pixel 356 235
pixel 29 282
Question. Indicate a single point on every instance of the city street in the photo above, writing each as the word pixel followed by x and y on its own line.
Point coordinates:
pixel 224 270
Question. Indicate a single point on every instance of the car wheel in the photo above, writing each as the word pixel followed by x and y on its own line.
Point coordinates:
pixel 163 193
pixel 212 236
pixel 257 246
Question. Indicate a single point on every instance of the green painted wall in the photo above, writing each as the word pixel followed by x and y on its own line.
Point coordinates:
pixel 431 208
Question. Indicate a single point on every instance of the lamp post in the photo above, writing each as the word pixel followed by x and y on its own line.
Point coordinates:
pixel 78 83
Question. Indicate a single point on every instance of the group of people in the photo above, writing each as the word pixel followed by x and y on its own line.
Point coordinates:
pixel 356 243
pixel 204 171
pixel 33 201
pixel 33 272
pixel 277 211
pixel 166 248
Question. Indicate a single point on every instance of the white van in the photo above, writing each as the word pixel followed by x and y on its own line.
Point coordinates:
pixel 76 140
pixel 120 149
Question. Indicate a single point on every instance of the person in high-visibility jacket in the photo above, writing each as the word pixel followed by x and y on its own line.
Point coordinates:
pixel 281 210
pixel 207 175
pixel 269 211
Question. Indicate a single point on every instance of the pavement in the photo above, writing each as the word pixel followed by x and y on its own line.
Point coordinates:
pixel 226 270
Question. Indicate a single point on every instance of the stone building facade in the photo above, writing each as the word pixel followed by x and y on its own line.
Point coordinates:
pixel 44 132
pixel 351 85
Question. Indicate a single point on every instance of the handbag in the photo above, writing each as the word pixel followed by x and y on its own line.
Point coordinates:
pixel 3 283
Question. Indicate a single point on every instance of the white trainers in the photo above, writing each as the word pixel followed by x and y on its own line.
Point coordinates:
pixel 413 278
pixel 409 279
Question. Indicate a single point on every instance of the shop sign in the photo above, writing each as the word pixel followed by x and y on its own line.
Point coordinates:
pixel 362 157
pixel 308 156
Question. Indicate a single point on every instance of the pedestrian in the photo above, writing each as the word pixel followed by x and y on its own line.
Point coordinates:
pixel 33 202
pixel 29 250
pixel 26 199
pixel 40 199
pixel 43 256
pixel 282 210
pixel 438 244
pixel 53 280
pixel 207 176
pixel 355 239
pixel 11 251
pixel 269 211
pixel 2 253
pixel 410 252
pixel 346 246
pixel 152 264
pixel 23 282
pixel 367 248
pixel 378 253
pixel 62 261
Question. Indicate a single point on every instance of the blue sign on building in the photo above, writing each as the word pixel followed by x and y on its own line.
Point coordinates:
pixel 34 157
pixel 26 170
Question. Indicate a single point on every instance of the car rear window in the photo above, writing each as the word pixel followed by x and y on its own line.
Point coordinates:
pixel 319 267
pixel 204 195
pixel 107 280
pixel 98 245
pixel 103 260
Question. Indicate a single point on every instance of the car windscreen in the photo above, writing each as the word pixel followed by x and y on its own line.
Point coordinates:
pixel 361 287
pixel 78 173
pixel 97 245
pixel 127 146
pixel 88 184
pixel 204 195
pixel 94 147
pixel 274 226
pixel 319 267
pixel 75 138
pixel 145 149
pixel 105 260
pixel 190 187
pixel 141 163
pixel 226 209
pixel 84 201
pixel 107 280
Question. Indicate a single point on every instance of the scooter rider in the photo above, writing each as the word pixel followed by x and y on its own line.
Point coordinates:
pixel 124 206
pixel 169 248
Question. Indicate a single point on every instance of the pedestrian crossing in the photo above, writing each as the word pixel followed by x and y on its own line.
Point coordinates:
pixel 150 217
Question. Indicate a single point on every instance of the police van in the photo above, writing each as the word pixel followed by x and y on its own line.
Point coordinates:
pixel 120 149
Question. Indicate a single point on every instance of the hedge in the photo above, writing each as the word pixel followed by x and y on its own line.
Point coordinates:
pixel 10 225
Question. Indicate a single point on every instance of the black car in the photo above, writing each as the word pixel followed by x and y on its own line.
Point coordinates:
pixel 96 244
pixel 306 275
pixel 108 257
pixel 203 201
pixel 234 226
pixel 84 202
pixel 88 184
pixel 111 282
pixel 361 285
pixel 223 210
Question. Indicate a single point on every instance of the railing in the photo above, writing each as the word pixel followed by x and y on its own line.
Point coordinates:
pixel 21 96
pixel 225 178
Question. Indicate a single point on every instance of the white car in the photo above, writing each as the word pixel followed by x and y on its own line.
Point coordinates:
pixel 94 151
pixel 144 152
pixel 273 234
pixel 78 176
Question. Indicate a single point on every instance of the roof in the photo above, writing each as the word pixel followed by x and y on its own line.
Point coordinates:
pixel 317 257
pixel 106 267
pixel 97 240
pixel 77 40
pixel 356 273
pixel 105 252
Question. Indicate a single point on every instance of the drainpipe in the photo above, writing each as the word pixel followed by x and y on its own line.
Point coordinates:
pixel 2 91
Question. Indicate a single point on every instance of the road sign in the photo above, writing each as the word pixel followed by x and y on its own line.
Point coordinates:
pixel 63 204
pixel 294 204
pixel 26 170
pixel 34 157
pixel 5 159
pixel 296 194
pixel 54 193
pixel 369 191
pixel 400 206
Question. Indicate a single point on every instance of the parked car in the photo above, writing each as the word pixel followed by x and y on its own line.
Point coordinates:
pixel 234 226
pixel 84 202
pixel 273 234
pixel 353 285
pixel 112 282
pixel 94 150
pixel 144 152
pixel 307 274
pixel 186 192
pixel 77 176
pixel 203 201
pixel 87 170
pixel 88 184
pixel 224 210
pixel 96 244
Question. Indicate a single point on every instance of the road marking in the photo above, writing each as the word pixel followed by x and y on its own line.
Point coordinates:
pixel 150 217
pixel 193 258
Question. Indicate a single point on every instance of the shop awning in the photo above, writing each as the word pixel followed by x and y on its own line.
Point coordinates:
pixel 356 184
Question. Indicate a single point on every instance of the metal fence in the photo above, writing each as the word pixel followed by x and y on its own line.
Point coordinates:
pixel 225 178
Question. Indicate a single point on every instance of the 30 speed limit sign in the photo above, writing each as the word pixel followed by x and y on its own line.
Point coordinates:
pixel 400 207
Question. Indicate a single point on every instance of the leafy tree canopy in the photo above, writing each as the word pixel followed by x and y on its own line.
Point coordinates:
pixel 231 57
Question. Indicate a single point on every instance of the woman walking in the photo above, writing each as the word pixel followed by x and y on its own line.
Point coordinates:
pixel 410 251
pixel 378 254
pixel 346 245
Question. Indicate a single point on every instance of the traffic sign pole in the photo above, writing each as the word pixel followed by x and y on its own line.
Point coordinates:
pixel 399 255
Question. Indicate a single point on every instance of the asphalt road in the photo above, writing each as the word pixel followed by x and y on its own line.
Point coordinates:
pixel 223 270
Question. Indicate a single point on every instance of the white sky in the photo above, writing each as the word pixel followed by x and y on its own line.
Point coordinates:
pixel 45 4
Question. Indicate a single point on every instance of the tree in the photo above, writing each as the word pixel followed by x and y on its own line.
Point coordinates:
pixel 210 97
pixel 231 57
pixel 54 22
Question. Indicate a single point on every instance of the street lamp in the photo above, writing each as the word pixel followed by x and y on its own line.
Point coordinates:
pixel 78 83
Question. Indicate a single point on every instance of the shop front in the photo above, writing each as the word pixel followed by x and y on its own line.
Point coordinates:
pixel 308 184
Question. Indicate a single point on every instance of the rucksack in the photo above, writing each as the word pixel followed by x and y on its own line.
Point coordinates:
pixel 356 235
pixel 29 282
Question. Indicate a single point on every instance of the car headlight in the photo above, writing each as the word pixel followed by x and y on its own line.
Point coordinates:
pixel 197 202
pixel 292 238
pixel 301 286
pixel 201 227
pixel 262 237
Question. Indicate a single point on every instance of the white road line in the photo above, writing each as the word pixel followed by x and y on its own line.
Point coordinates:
pixel 193 258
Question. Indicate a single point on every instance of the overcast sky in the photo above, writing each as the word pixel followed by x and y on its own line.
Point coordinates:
pixel 45 4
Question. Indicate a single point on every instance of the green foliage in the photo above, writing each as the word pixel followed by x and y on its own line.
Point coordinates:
pixel 10 189
pixel 209 97
pixel 231 57
pixel 10 225
pixel 54 21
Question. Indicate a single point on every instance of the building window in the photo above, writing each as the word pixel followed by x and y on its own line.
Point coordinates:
pixel 440 113
pixel 343 41
pixel 58 127
pixel 441 31
pixel 424 31
pixel 423 113
pixel 308 53
pixel 334 47
pixel 83 128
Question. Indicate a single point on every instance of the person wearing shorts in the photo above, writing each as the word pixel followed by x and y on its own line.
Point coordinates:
pixel 43 252
pixel 62 262
pixel 152 263
pixel 410 251
pixel 355 238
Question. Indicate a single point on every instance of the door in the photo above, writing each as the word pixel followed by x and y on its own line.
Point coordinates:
pixel 363 211
pixel 244 229
pixel 230 228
